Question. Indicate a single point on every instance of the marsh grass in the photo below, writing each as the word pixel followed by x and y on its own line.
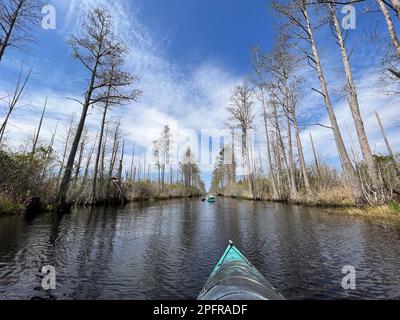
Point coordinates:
pixel 9 207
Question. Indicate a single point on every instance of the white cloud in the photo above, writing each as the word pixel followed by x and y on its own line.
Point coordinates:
pixel 370 100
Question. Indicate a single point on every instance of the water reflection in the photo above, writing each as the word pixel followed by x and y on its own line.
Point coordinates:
pixel 167 250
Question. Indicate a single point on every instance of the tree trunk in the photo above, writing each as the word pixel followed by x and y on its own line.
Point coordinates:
pixel 47 158
pixel 248 166
pixel 19 90
pixel 79 163
pixel 89 159
pixel 277 159
pixel 103 156
pixel 8 32
pixel 281 148
pixel 301 157
pixel 389 148
pixel 35 141
pixel 66 148
pixel 62 194
pixel 120 169
pixel 159 178
pixel 292 168
pixel 112 162
pixel 396 6
pixel 275 194
pixel 132 164
pixel 391 29
pixel 354 104
pixel 3 127
pixel 354 180
pixel 162 177
pixel 315 156
pixel 233 165
pixel 99 148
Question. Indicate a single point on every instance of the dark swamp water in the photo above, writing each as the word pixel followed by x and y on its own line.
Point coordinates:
pixel 167 250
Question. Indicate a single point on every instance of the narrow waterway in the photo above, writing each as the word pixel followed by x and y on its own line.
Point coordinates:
pixel 167 250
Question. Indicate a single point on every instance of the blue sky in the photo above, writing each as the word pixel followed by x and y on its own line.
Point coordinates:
pixel 189 55
pixel 198 30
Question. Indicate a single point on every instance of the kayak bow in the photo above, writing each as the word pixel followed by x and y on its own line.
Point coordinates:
pixel 235 278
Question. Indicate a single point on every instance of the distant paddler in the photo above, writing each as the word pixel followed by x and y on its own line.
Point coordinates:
pixel 210 198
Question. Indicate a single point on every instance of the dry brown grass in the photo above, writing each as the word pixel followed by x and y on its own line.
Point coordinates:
pixel 337 196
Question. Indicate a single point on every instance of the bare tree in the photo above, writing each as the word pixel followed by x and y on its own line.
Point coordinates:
pixel 353 98
pixel 161 155
pixel 190 172
pixel 392 31
pixel 87 166
pixel 114 153
pixel 14 99
pixel 389 148
pixel 132 175
pixel 119 172
pixel 80 156
pixel 315 156
pixel 279 148
pixel 48 157
pixel 293 117
pixel 95 49
pixel 285 88
pixel 278 89
pixel 231 166
pixel 165 141
pixel 36 138
pixel 157 159
pixel 241 111
pixel 17 17
pixel 66 146
pixel 114 95
pixel 259 65
pixel 297 13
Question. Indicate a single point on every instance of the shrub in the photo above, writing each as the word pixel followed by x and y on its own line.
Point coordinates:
pixel 22 176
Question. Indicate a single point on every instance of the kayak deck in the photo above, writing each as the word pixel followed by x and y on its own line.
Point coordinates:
pixel 235 278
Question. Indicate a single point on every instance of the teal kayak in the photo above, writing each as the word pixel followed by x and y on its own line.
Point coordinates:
pixel 211 199
pixel 235 278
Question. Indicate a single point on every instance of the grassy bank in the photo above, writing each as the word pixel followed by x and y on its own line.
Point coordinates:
pixel 332 200
pixel 132 192
pixel 389 212
pixel 332 196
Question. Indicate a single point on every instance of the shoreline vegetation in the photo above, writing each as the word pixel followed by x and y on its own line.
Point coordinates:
pixel 28 184
pixel 386 214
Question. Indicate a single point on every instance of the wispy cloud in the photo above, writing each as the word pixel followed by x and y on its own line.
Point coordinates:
pixel 371 100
